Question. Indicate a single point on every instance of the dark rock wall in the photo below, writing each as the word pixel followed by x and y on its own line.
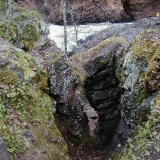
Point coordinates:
pixel 94 10
pixel 65 89
pixel 105 74
pixel 102 89
pixel 141 9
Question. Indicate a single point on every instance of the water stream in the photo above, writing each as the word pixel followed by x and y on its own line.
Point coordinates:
pixel 84 31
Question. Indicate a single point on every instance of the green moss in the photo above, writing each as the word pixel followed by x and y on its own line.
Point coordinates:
pixel 153 75
pixel 7 77
pixel 8 31
pixel 145 138
pixel 22 28
pixel 29 107
pixel 26 111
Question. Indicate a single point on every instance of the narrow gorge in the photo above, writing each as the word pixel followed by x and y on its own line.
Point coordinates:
pixel 101 101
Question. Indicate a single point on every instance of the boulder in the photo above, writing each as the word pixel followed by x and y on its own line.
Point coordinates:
pixel 140 79
pixel 65 88
pixel 23 28
pixel 27 123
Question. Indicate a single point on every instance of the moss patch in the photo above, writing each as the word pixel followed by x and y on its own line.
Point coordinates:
pixel 22 28
pixel 145 140
pixel 7 77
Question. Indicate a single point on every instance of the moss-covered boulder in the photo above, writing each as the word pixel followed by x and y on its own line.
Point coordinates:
pixel 140 79
pixel 27 125
pixel 22 27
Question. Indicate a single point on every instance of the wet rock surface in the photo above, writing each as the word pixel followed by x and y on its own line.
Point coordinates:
pixel 63 82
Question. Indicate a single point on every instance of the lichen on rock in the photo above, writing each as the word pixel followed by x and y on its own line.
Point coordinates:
pixel 27 124
pixel 23 28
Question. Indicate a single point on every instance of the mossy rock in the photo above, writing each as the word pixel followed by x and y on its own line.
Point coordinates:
pixel 139 75
pixel 23 28
pixel 26 111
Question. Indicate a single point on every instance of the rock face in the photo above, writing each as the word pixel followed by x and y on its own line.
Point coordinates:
pixel 65 89
pixel 102 86
pixel 27 124
pixel 95 11
pixel 107 90
pixel 26 116
pixel 140 78
pixel 83 11
pixel 141 9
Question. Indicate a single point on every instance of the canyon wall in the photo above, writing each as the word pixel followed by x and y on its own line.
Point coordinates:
pixel 94 10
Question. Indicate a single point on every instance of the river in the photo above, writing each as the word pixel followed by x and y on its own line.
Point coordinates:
pixel 56 33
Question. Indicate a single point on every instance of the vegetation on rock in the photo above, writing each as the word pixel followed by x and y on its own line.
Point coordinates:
pixel 22 28
pixel 27 124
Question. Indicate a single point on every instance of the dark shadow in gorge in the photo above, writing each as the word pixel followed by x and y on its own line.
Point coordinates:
pixel 103 94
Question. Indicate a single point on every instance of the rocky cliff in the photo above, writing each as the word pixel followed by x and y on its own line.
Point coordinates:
pixel 119 73
pixel 27 124
pixel 95 11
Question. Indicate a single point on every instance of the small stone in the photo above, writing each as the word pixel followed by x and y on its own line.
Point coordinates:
pixel 119 145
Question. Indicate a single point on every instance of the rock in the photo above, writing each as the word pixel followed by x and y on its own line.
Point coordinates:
pixel 125 30
pixel 65 89
pixel 102 86
pixel 94 11
pixel 23 28
pixel 84 11
pixel 141 9
pixel 26 110
pixel 3 152
pixel 111 93
pixel 139 66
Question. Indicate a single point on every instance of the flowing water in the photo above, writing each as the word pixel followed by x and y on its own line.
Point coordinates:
pixel 84 31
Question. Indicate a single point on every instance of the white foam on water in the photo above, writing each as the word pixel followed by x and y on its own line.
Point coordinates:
pixel 57 33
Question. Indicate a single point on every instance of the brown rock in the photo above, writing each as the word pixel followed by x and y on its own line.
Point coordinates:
pixel 84 11
pixel 141 8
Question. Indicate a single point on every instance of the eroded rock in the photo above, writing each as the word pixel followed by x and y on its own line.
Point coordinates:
pixel 101 72
pixel 65 89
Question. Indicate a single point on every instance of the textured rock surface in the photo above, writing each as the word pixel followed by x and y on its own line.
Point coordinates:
pixel 26 111
pixel 96 11
pixel 140 78
pixel 85 11
pixel 141 9
pixel 3 151
pixel 102 67
pixel 23 28
pixel 63 82
pixel 102 86
pixel 126 31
